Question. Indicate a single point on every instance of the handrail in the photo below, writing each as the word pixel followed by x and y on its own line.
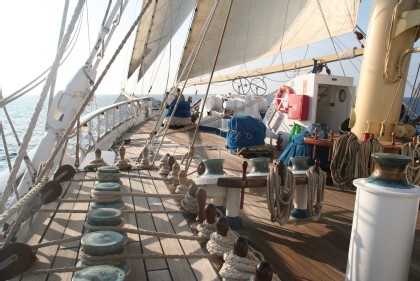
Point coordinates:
pixel 96 126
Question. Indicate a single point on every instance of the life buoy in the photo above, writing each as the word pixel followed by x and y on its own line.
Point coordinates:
pixel 281 100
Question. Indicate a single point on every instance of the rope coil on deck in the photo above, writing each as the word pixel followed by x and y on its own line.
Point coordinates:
pixel 205 229
pixel 189 204
pixel 89 260
pixel 280 195
pixel 239 268
pixel 219 244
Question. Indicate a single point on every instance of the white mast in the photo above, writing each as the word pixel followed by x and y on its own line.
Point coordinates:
pixel 391 32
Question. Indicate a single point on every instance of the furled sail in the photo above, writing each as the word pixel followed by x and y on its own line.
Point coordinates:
pixel 160 22
pixel 259 28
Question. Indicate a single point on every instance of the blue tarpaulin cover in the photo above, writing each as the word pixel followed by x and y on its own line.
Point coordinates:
pixel 244 131
pixel 297 147
pixel 183 110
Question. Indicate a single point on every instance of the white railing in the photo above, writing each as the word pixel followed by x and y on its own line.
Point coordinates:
pixel 99 128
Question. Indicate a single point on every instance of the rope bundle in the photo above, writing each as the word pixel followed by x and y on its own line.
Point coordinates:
pixel 366 149
pixel 344 159
pixel 238 268
pixel 206 229
pixel 219 244
pixel 316 185
pixel 89 260
pixel 189 204
pixel 280 196
pixel 96 163
pixel 412 172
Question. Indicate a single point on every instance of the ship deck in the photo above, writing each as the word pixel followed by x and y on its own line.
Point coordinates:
pixel 302 250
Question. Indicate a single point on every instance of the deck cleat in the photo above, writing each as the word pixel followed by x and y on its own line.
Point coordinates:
pixel 100 272
pixel 15 258
pixel 103 242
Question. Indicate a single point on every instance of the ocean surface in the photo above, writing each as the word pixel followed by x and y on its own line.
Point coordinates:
pixel 21 112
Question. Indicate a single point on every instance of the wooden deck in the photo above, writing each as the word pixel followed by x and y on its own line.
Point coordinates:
pixel 303 250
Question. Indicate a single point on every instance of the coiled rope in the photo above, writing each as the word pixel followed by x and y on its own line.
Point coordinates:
pixel 368 147
pixel 280 191
pixel 412 171
pixel 219 244
pixel 205 229
pixel 343 160
pixel 39 184
pixel 317 180
pixel 239 268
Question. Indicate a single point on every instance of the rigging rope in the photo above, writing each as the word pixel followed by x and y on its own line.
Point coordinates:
pixel 351 88
pixel 38 185
pixel 186 71
pixel 24 145
pixel 280 192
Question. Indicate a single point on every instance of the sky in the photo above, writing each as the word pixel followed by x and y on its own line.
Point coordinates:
pixel 29 32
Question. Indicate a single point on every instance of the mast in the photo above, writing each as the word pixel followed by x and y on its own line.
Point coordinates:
pixel 391 32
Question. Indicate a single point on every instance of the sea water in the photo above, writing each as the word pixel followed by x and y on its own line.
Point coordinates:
pixel 22 110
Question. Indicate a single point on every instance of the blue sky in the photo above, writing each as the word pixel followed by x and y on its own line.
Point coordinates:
pixel 29 33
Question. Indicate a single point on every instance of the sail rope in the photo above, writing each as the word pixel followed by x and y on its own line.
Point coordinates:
pixel 280 192
pixel 39 184
pixel 343 160
pixel 24 145
pixel 367 147
pixel 185 72
pixel 188 162
pixel 413 168
pixel 317 180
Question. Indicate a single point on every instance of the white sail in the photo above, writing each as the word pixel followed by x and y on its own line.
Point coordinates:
pixel 258 28
pixel 159 24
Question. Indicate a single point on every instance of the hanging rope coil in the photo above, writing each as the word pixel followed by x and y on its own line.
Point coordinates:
pixel 317 180
pixel 280 191
pixel 344 159
pixel 412 171
pixel 365 163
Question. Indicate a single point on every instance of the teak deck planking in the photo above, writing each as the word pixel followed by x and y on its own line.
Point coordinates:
pixel 300 250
